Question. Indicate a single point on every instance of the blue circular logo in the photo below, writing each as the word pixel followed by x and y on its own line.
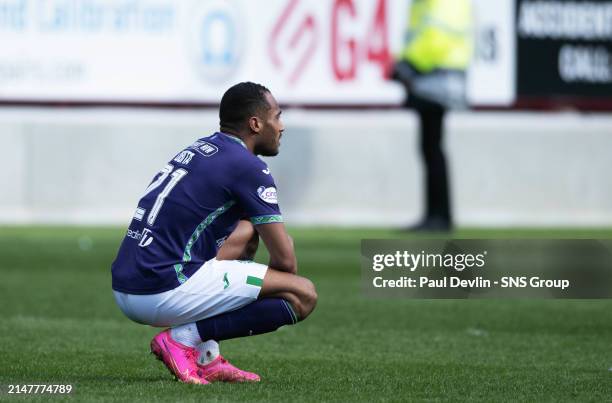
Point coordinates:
pixel 217 39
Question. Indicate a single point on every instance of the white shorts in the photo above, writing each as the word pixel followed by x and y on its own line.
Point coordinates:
pixel 217 287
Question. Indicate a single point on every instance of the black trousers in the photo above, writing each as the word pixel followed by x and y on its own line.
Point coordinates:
pixel 437 199
pixel 431 119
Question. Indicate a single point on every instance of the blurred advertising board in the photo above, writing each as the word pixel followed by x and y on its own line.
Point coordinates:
pixel 564 49
pixel 314 53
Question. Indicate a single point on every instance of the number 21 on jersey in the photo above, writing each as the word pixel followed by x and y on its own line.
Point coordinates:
pixel 176 176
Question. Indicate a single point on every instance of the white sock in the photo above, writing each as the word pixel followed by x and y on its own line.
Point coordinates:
pixel 209 351
pixel 186 334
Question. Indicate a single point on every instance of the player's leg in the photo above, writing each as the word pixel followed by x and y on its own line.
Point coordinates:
pixel 209 308
pixel 261 316
pixel 298 291
pixel 249 313
pixel 282 299
pixel 182 349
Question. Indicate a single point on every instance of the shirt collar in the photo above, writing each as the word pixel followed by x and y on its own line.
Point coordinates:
pixel 234 138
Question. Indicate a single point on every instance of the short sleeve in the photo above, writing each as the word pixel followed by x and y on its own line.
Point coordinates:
pixel 255 191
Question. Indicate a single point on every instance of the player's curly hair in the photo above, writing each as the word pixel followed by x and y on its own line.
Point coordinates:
pixel 239 103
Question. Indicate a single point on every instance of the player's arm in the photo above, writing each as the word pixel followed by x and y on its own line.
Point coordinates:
pixel 255 191
pixel 241 244
pixel 279 245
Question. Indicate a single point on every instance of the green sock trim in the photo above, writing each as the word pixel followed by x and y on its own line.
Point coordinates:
pixel 294 317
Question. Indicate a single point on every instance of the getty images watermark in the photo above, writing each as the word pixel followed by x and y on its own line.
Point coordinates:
pixel 487 268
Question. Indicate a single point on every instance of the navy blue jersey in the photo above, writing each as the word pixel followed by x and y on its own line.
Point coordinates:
pixel 189 209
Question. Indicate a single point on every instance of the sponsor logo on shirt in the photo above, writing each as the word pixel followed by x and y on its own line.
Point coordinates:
pixel 184 157
pixel 205 148
pixel 267 194
pixel 144 237
pixel 266 171
pixel 139 213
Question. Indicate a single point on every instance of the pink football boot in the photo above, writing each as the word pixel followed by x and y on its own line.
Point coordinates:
pixel 220 370
pixel 178 358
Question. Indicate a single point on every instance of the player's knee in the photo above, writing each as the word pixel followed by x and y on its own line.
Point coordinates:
pixel 308 299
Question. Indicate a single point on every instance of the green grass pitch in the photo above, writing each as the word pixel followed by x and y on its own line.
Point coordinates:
pixel 59 325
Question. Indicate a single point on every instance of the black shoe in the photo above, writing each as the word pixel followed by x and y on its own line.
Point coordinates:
pixel 434 224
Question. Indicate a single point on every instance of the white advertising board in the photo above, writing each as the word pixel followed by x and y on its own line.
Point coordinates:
pixel 492 75
pixel 324 52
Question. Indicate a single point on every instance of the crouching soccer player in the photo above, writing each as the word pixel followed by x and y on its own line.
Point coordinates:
pixel 186 261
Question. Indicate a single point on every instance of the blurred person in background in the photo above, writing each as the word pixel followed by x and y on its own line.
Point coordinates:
pixel 432 67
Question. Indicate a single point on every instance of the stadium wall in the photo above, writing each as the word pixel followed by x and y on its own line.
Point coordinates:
pixel 349 168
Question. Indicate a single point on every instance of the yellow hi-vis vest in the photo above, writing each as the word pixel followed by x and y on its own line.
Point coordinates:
pixel 439 35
